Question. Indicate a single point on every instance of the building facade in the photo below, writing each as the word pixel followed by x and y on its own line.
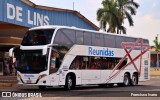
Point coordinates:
pixel 17 16
pixel 154 58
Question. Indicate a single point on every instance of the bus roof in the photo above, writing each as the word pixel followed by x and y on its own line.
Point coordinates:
pixel 75 28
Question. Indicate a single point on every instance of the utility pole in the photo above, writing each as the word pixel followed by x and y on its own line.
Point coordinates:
pixel 157 52
pixel 73 5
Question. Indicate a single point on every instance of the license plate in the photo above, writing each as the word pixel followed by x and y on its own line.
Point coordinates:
pixel 29 81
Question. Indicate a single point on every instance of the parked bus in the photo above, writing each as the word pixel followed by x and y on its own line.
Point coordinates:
pixel 69 56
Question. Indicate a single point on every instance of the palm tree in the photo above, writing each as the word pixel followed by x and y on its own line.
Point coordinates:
pixel 126 8
pixel 108 15
pixel 114 12
pixel 157 48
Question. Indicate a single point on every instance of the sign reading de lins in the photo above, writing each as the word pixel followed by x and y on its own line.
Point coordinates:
pixel 33 18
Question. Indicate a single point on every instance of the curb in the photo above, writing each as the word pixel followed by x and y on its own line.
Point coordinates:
pixel 8 81
pixel 155 76
pixel 3 85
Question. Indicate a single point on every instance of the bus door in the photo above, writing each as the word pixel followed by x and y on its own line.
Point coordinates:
pixel 54 65
pixel 90 71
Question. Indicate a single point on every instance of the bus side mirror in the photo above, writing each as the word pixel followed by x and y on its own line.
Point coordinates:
pixel 44 51
pixel 11 52
pixel 45 48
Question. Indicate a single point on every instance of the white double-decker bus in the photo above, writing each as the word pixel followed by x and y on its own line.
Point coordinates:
pixel 69 56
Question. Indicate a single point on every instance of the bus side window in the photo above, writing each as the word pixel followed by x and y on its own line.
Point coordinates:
pixel 123 64
pixel 97 39
pixel 119 40
pixel 73 65
pixel 87 38
pixel 109 41
pixel 54 63
pixel 79 37
pixel 80 62
pixel 76 64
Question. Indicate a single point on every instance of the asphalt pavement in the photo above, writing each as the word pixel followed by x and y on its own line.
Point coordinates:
pixel 94 92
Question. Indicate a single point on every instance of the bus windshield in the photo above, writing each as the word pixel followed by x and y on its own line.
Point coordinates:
pixel 37 37
pixel 32 61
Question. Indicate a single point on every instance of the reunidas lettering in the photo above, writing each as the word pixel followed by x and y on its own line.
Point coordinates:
pixel 103 52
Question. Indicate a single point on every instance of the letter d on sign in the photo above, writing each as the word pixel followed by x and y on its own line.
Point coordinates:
pixel 10 8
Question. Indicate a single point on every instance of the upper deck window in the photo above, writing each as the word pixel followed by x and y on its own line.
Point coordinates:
pixel 38 37
pixel 65 37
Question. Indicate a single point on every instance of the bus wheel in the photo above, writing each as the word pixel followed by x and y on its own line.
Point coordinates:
pixel 68 83
pixel 134 80
pixel 126 80
pixel 42 87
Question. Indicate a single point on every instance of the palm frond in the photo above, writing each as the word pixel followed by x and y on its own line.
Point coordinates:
pixel 100 12
pixel 114 12
pixel 123 29
pixel 157 45
pixel 132 10
pixel 129 17
pixel 132 3
pixel 153 47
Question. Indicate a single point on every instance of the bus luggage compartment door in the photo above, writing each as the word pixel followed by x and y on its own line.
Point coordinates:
pixel 91 76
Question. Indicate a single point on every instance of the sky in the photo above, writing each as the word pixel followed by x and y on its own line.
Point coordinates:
pixel 146 21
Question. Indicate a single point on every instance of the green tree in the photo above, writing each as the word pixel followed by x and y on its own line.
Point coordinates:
pixel 126 8
pixel 113 14
pixel 108 16
pixel 157 48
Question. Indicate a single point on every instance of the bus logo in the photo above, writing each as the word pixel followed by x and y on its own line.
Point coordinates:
pixel 102 52
pixel 6 94
pixel 29 75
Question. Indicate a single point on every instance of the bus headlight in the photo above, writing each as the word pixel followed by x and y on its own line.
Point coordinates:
pixel 41 76
pixel 19 76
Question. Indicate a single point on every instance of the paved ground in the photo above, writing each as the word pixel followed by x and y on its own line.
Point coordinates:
pixel 8 83
pixel 151 87
pixel 155 71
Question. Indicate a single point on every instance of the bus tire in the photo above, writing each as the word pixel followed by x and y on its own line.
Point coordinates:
pixel 42 87
pixel 134 80
pixel 126 80
pixel 69 83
